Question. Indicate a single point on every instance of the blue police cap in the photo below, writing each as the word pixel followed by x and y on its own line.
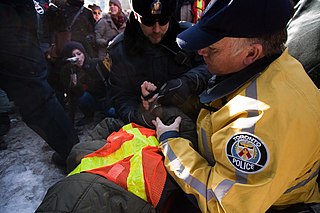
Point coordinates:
pixel 236 18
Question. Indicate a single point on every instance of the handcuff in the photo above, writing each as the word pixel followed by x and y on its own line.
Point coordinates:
pixel 154 104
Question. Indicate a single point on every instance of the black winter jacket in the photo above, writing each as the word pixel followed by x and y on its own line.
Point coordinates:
pixel 135 60
pixel 88 78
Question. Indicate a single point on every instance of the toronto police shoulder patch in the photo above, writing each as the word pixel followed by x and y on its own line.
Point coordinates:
pixel 247 153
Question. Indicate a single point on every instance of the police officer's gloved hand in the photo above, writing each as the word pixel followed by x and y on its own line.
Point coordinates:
pixel 177 93
pixel 174 92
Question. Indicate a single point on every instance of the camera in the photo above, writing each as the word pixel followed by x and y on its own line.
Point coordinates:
pixel 72 60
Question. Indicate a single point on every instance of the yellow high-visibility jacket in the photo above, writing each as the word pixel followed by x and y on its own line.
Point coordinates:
pixel 259 149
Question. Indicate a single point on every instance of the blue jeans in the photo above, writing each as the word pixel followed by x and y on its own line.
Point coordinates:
pixel 87 103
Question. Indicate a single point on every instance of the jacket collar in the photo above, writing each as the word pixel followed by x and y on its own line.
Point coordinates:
pixel 222 86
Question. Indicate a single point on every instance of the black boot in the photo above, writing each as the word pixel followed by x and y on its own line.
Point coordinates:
pixel 88 117
pixel 3 144
pixel 58 160
pixel 4 123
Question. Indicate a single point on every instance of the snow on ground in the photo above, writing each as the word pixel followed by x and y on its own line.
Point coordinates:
pixel 26 170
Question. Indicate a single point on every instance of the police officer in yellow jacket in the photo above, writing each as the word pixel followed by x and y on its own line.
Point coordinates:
pixel 258 130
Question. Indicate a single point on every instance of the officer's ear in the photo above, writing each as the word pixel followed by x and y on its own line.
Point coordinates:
pixel 254 52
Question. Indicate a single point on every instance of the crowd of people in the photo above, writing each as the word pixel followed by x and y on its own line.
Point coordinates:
pixel 71 21
pixel 231 95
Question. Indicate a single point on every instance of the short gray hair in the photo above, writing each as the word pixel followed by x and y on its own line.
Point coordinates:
pixel 272 43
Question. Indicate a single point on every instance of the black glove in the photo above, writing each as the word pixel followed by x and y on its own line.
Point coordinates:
pixel 174 92
pixel 177 93
pixel 144 117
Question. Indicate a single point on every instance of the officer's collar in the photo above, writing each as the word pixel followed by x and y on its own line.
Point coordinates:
pixel 221 86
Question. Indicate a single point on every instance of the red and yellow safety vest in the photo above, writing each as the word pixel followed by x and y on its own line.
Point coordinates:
pixel 197 9
pixel 130 158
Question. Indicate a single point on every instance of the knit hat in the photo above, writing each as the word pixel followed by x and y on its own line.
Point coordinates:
pixel 116 2
pixel 236 18
pixel 69 47
pixel 153 9
pixel 94 7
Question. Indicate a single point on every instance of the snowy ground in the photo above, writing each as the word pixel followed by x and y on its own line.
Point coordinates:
pixel 26 170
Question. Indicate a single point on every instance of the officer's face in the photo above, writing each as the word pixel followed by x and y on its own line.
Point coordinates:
pixel 229 55
pixel 156 32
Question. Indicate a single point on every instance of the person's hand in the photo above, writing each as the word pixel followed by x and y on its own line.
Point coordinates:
pixel 174 92
pixel 146 89
pixel 161 128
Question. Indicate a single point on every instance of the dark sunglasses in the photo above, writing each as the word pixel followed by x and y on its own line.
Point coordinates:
pixel 96 13
pixel 151 22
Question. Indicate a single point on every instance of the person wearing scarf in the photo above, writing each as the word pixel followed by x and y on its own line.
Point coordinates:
pixel 109 27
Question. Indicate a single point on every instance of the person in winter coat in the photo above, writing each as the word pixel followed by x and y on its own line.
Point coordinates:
pixel 60 17
pixel 258 133
pixel 303 34
pixel 109 27
pixel 303 37
pixel 85 82
pixel 147 51
pixel 23 76
pixel 96 12
pixel 190 10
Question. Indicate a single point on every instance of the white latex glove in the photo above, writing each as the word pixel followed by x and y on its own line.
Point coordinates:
pixel 161 128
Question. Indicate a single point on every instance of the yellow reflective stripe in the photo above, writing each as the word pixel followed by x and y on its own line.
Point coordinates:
pixel 135 181
pixel 199 4
pixel 142 139
pixel 127 127
pixel 98 161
